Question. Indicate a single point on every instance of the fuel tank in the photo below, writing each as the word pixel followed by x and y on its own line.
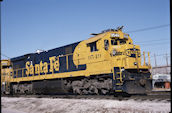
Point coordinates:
pixel 49 87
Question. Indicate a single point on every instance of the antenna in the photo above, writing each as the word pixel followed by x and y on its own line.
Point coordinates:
pixel 119 28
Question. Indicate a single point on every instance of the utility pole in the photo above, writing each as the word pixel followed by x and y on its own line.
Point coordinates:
pixel 167 59
pixel 155 60
pixel 167 63
pixel 155 64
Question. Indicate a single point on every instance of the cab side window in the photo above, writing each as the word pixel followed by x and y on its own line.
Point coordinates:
pixel 106 44
pixel 93 46
pixel 114 42
pixel 122 42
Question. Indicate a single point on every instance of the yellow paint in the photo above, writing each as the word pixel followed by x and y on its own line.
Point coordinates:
pixel 6 70
pixel 52 59
pixel 27 67
pixel 37 70
pixel 41 67
pixel 45 67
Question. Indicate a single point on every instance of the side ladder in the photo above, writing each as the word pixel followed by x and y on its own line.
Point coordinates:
pixel 118 82
pixel 7 84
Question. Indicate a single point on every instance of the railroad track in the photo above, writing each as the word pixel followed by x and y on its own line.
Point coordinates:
pixel 155 96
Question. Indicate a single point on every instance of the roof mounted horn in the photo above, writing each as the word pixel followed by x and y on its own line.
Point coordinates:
pixel 107 30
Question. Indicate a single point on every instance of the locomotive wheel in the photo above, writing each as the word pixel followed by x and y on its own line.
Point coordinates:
pixel 91 85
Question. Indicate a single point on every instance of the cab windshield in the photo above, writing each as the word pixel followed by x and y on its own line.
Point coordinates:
pixel 118 41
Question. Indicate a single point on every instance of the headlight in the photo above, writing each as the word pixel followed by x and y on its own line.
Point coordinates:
pixel 135 63
pixel 114 35
pixel 113 52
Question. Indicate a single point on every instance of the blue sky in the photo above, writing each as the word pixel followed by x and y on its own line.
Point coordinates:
pixel 28 25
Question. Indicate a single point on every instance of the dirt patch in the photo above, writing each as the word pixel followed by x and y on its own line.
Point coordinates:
pixel 47 105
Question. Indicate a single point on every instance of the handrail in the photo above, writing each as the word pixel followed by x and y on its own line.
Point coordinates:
pixel 120 75
pixel 144 58
pixel 146 63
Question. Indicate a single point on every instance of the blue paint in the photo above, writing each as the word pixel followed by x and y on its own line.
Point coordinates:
pixel 19 62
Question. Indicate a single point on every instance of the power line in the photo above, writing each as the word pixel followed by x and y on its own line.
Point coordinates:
pixel 154 43
pixel 153 40
pixel 5 55
pixel 139 30
pixel 149 28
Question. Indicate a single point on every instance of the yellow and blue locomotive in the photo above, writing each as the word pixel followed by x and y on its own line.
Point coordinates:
pixel 106 63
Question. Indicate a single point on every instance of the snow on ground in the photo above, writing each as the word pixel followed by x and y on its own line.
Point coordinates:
pixel 47 105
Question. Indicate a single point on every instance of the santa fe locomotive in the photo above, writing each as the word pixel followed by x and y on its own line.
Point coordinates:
pixel 106 63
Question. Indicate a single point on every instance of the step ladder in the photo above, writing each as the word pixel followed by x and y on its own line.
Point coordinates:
pixel 118 82
pixel 7 84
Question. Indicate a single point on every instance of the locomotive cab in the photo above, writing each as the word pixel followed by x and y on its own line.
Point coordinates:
pixel 123 52
pixel 130 74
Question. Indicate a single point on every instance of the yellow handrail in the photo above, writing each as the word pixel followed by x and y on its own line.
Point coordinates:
pixel 144 58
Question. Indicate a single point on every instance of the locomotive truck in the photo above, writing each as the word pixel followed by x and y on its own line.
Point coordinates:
pixel 106 63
